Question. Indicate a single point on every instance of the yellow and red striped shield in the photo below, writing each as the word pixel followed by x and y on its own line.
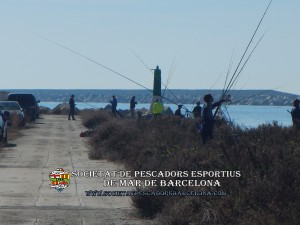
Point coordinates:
pixel 60 179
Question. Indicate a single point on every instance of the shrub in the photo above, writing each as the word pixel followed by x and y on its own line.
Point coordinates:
pixel 268 157
pixel 93 118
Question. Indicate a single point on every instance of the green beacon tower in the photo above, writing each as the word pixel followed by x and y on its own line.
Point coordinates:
pixel 156 87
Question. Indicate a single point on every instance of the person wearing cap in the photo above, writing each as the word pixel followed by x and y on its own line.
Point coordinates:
pixel 178 111
pixel 72 108
pixel 197 110
pixel 295 113
pixel 208 117
pixel 114 104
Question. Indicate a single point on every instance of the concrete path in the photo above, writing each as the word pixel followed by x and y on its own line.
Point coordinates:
pixel 25 193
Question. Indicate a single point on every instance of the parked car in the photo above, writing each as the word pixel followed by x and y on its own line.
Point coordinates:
pixel 15 111
pixel 28 103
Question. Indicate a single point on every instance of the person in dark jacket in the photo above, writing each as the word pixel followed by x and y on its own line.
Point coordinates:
pixel 197 110
pixel 132 106
pixel 114 104
pixel 72 108
pixel 178 111
pixel 208 117
pixel 295 113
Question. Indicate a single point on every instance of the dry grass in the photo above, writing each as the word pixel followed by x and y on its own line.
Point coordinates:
pixel 268 157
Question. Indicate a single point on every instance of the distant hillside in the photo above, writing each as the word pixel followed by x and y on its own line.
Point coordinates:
pixel 241 97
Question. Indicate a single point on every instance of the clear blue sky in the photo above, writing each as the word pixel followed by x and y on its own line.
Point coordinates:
pixel 196 37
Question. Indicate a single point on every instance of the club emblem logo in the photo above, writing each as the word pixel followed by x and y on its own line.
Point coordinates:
pixel 60 179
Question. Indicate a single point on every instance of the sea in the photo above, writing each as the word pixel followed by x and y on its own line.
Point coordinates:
pixel 247 116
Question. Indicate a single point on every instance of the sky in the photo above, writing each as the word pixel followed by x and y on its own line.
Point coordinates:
pixel 194 42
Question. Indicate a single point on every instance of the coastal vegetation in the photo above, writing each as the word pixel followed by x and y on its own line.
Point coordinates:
pixel 267 158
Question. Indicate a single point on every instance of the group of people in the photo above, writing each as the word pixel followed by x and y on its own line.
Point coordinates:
pixel 207 117
pixel 157 109
pixel 206 113
pixel 114 104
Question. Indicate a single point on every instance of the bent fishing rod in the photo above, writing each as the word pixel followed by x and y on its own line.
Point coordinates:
pixel 236 73
pixel 225 92
pixel 97 63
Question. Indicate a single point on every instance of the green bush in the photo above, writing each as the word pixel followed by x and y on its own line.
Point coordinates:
pixel 267 193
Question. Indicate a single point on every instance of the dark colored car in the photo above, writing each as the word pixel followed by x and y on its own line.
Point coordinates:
pixel 28 103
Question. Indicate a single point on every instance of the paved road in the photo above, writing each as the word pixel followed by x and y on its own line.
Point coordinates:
pixel 25 193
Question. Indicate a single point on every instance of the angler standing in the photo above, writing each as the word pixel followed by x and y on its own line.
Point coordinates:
pixel 296 113
pixel 114 104
pixel 208 117
pixel 178 111
pixel 72 108
pixel 157 108
pixel 197 110
pixel 132 106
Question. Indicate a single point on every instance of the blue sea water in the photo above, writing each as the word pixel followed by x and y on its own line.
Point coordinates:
pixel 243 115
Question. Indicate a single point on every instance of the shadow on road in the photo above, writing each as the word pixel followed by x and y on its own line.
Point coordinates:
pixel 10 145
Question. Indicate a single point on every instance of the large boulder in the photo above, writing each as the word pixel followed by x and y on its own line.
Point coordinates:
pixel 63 109
pixel 44 110
pixel 168 111
pixel 108 107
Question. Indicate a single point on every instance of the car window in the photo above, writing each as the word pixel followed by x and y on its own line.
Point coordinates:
pixel 9 106
pixel 24 100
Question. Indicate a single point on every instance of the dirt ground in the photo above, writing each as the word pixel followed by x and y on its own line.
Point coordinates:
pixel 26 196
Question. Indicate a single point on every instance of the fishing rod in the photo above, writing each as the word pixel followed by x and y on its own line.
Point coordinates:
pixel 235 74
pixel 240 71
pixel 90 59
pixel 172 70
pixel 212 86
pixel 228 72
pixel 98 63
pixel 139 58
pixel 242 68
pixel 248 59
pixel 246 50
pixel 90 105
